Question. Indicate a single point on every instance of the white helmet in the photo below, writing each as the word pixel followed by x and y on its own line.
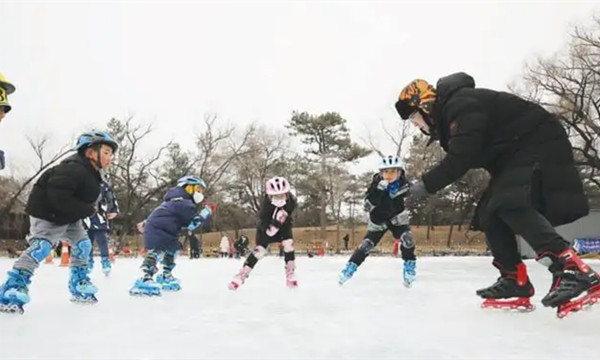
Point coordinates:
pixel 391 162
pixel 277 186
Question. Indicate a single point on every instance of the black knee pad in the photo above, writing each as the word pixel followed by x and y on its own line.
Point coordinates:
pixel 366 246
pixel 408 241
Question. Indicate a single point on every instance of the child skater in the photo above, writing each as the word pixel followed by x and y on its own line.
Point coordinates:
pixel 161 234
pixel 385 204
pixel 274 226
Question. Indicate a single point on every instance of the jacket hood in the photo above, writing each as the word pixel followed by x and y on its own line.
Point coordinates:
pixel 448 85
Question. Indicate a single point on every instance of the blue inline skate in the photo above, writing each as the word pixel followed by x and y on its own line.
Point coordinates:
pixel 410 272
pixel 347 273
pixel 145 286
pixel 81 287
pixel 168 282
pixel 14 292
pixel 106 266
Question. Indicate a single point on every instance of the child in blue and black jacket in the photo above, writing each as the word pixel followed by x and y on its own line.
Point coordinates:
pixel 161 233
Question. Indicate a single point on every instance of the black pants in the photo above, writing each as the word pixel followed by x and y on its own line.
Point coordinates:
pixel 373 237
pixel 531 225
pixel 263 240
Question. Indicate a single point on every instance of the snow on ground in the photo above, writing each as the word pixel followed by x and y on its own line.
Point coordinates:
pixel 371 317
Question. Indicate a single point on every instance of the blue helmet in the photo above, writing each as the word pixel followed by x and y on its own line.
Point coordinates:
pixel 191 180
pixel 391 162
pixel 88 139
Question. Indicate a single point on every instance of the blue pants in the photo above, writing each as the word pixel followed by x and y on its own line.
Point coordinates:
pixel 101 237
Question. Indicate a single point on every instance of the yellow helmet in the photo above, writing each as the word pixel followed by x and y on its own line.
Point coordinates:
pixel 6 88
pixel 419 94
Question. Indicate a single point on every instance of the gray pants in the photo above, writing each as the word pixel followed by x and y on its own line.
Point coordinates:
pixel 43 235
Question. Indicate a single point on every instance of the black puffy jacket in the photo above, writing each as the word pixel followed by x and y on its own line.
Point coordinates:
pixel 267 211
pixel 524 148
pixel 66 192
pixel 382 207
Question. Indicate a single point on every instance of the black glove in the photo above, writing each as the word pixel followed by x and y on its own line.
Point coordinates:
pixel 2 160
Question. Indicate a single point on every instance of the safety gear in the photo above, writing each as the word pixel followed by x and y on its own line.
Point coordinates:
pixel 277 186
pixel 419 94
pixel 390 162
pixel 278 200
pixel 419 121
pixel 198 197
pixel 191 180
pixel 88 139
pixel 6 88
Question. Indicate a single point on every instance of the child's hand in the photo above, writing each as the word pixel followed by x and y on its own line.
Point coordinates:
pixel 211 206
pixel 272 230
pixel 140 227
pixel 383 184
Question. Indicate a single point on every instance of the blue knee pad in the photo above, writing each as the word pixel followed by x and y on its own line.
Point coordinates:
pixel 39 249
pixel 82 249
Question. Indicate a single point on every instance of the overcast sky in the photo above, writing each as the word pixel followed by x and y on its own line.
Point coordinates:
pixel 77 65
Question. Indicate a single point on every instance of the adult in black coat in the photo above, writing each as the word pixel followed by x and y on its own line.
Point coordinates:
pixel 534 183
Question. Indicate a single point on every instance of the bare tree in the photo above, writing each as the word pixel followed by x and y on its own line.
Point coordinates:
pixel 39 146
pixel 218 148
pixel 568 84
pixel 265 157
pixel 135 175
pixel 397 136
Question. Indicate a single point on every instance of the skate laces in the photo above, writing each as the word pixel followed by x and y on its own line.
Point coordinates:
pixel 80 275
pixel 289 268
pixel 409 266
pixel 18 279
pixel 350 269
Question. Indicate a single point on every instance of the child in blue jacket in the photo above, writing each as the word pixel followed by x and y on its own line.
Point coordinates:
pixel 161 234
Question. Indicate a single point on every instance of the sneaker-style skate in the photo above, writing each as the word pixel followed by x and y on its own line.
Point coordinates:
pixel 511 291
pixel 290 278
pixel 168 282
pixel 240 278
pixel 14 293
pixel 106 266
pixel 409 273
pixel 574 279
pixel 81 287
pixel 347 272
pixel 145 286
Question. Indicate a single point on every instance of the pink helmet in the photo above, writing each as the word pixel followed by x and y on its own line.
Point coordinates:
pixel 277 185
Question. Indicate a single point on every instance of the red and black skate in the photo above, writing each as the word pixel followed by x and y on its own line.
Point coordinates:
pixel 512 291
pixel 522 304
pixel 590 298
pixel 571 280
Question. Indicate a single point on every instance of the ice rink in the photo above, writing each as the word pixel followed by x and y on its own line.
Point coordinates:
pixel 371 317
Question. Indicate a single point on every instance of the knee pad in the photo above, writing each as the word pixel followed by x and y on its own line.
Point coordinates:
pixel 39 249
pixel 407 239
pixel 82 249
pixel 259 252
pixel 366 246
pixel 288 245
pixel 149 263
pixel 168 260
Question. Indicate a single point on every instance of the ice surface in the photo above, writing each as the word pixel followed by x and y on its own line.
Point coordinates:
pixel 373 316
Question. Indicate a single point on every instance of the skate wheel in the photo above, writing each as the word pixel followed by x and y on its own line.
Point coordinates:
pixel 233 286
